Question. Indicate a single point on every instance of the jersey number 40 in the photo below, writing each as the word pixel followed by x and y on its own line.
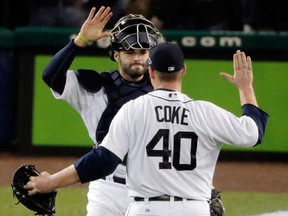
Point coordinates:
pixel 166 153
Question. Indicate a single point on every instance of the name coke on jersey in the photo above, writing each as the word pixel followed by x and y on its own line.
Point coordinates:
pixel 173 114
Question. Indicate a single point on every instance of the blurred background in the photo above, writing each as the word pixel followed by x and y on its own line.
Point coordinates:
pixel 246 15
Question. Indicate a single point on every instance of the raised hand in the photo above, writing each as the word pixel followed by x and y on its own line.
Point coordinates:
pixel 92 28
pixel 242 77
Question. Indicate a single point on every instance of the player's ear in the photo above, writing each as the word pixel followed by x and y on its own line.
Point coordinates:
pixel 116 56
pixel 184 70
pixel 151 72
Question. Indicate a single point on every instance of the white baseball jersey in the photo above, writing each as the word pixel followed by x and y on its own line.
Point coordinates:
pixel 91 106
pixel 173 143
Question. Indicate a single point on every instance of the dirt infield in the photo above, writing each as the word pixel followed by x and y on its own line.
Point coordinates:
pixel 229 176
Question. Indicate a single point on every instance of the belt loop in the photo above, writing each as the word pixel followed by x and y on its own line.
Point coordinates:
pixel 109 178
pixel 185 202
pixel 146 201
pixel 171 202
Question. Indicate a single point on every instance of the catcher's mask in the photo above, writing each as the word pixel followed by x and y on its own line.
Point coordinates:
pixel 133 31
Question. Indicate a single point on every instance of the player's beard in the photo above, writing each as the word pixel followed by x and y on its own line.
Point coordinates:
pixel 134 70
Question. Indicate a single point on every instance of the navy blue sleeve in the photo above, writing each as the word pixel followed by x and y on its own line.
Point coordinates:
pixel 259 116
pixel 54 74
pixel 96 164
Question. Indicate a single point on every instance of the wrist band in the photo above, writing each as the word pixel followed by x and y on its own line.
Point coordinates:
pixel 85 39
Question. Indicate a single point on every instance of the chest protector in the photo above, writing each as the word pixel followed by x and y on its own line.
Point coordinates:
pixel 118 92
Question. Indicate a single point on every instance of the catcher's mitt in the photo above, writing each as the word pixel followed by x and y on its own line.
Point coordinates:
pixel 216 204
pixel 41 204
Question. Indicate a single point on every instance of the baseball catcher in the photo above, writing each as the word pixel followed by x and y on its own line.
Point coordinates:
pixel 41 204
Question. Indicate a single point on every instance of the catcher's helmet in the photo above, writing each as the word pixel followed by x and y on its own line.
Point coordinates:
pixel 133 31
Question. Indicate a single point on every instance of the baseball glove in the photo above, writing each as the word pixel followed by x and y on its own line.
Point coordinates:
pixel 41 204
pixel 216 204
